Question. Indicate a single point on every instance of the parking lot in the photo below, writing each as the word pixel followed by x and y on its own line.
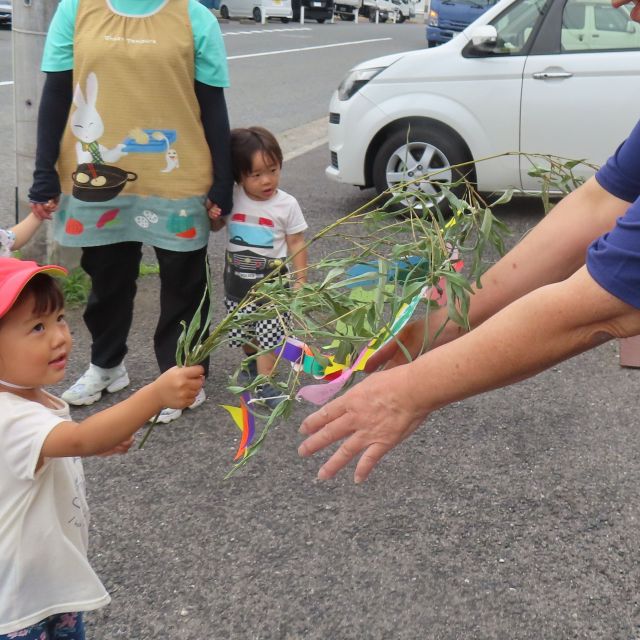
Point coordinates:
pixel 513 515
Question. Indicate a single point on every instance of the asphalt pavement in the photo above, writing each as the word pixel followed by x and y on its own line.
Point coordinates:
pixel 513 515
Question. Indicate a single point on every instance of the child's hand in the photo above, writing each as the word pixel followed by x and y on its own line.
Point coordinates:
pixel 216 224
pixel 178 387
pixel 213 210
pixel 44 211
pixel 121 448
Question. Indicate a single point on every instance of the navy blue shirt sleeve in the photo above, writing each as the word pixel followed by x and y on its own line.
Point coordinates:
pixel 613 260
pixel 620 176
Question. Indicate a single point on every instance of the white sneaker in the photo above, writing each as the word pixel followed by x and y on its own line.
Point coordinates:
pixel 90 385
pixel 169 415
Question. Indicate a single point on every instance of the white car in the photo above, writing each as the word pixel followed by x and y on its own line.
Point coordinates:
pixel 406 9
pixel 256 9
pixel 386 10
pixel 537 76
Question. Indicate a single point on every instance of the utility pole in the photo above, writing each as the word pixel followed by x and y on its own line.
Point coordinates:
pixel 31 19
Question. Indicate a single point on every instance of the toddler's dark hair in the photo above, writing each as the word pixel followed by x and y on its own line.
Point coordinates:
pixel 46 292
pixel 245 143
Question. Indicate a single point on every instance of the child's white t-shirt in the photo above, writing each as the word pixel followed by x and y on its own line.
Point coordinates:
pixel 44 521
pixel 263 225
pixel 257 233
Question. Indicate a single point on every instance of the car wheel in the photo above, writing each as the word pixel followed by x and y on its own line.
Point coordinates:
pixel 224 12
pixel 257 14
pixel 320 20
pixel 408 154
pixel 401 18
pixel 284 20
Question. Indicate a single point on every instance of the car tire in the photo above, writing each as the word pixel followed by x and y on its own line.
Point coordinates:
pixel 398 160
pixel 257 14
pixel 401 18
pixel 284 20
pixel 224 12
pixel 321 20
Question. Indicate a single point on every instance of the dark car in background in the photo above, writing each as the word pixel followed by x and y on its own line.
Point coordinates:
pixel 5 12
pixel 318 10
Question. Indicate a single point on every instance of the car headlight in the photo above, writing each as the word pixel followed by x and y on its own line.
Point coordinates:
pixel 355 80
pixel 433 18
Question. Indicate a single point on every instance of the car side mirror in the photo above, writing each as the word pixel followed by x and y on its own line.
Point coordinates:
pixel 483 36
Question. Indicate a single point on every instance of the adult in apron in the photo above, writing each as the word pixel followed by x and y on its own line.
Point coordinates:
pixel 128 141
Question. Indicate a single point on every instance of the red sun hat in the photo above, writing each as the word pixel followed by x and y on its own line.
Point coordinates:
pixel 15 274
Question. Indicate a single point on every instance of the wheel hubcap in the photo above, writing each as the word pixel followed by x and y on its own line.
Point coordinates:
pixel 416 160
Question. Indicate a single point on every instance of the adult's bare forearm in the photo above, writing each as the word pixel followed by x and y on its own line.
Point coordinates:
pixel 536 331
pixel 553 250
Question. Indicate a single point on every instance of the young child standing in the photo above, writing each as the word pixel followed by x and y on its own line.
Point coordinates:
pixel 17 236
pixel 46 579
pixel 265 226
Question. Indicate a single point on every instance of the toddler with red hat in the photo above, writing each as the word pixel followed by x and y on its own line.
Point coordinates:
pixel 47 581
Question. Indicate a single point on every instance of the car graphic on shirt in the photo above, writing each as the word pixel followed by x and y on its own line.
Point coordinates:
pixel 246 230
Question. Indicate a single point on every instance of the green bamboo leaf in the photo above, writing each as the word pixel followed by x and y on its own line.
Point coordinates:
pixel 505 197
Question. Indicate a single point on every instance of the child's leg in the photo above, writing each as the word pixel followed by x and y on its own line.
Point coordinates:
pixel 36 632
pixel 62 626
pixel 249 350
pixel 238 335
pixel 66 626
pixel 266 362
pixel 243 336
pixel 270 333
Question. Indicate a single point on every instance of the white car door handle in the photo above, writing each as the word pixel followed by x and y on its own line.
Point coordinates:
pixel 551 75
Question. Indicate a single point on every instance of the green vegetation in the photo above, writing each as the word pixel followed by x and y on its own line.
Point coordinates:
pixel 76 285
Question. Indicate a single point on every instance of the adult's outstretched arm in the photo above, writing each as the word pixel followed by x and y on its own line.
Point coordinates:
pixel 553 250
pixel 531 334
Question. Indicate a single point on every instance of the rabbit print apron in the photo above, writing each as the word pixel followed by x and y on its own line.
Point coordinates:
pixel 134 163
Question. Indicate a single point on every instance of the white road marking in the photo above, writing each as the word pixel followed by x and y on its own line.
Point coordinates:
pixel 250 33
pixel 321 46
pixel 6 83
pixel 306 137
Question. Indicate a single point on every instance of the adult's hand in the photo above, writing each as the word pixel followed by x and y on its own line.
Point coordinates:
pixel 45 210
pixel 635 11
pixel 371 419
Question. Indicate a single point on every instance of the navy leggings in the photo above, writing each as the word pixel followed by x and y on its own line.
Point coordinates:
pixel 62 626
pixel 114 271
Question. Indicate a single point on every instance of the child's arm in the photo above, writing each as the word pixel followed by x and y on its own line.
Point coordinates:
pixel 176 388
pixel 24 230
pixel 297 249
